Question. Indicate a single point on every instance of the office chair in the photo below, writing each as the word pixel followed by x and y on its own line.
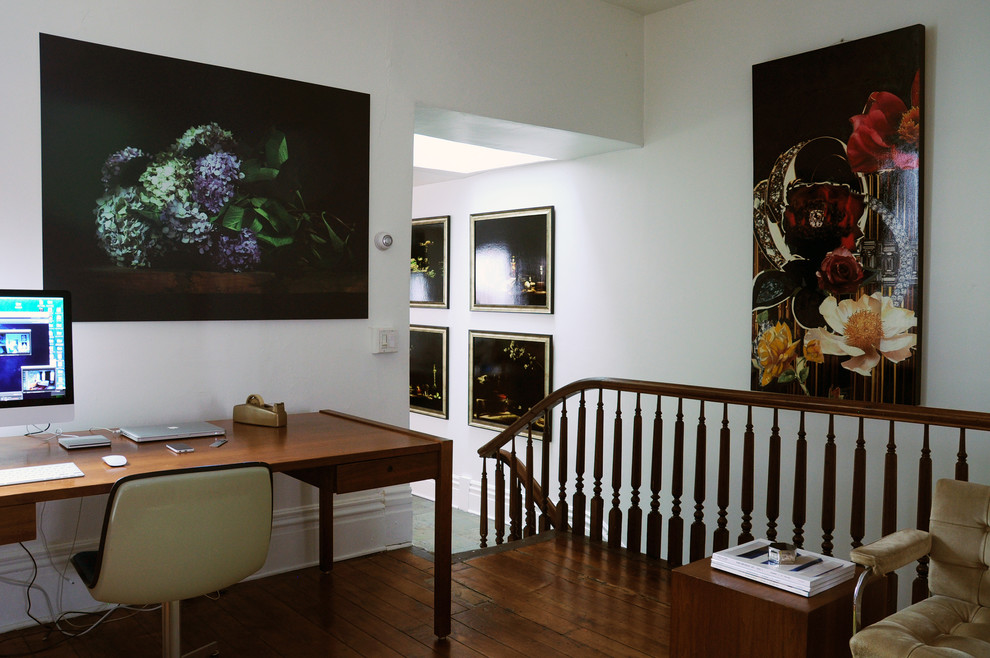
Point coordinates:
pixel 173 535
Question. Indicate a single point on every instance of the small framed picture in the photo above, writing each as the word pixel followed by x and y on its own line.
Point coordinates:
pixel 428 370
pixel 428 282
pixel 512 261
pixel 509 374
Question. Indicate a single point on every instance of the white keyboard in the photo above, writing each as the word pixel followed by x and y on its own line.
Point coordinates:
pixel 39 473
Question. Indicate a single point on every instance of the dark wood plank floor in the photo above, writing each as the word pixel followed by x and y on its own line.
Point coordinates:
pixel 558 597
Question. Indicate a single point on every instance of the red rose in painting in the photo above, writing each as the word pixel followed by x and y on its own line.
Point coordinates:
pixel 886 134
pixel 840 272
pixel 819 218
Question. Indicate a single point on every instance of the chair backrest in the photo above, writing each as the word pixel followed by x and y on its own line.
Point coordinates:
pixel 960 528
pixel 176 534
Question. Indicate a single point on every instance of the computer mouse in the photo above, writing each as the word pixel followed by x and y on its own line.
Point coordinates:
pixel 115 460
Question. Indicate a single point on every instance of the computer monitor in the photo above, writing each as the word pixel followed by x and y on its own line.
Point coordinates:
pixel 35 357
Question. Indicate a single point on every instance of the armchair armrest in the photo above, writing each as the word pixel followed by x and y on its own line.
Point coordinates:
pixel 893 551
pixel 883 556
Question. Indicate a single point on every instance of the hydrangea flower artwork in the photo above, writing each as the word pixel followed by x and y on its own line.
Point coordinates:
pixel 196 203
pixel 179 190
pixel 837 164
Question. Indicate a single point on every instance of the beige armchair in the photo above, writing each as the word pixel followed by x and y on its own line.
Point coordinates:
pixel 955 619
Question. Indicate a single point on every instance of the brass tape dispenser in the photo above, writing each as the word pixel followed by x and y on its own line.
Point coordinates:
pixel 256 412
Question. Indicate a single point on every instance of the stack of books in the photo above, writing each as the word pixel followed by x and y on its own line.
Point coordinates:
pixel 809 574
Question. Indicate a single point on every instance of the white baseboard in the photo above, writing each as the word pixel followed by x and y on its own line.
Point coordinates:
pixel 467 496
pixel 365 522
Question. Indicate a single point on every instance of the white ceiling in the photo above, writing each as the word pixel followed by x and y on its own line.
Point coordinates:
pixel 483 131
pixel 646 6
pixel 505 135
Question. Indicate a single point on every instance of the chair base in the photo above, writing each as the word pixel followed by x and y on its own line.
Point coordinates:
pixel 171 635
pixel 211 649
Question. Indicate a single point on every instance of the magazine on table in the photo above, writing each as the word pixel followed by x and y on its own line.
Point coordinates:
pixel 809 573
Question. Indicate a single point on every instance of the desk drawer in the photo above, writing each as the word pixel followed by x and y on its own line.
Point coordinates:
pixel 376 473
pixel 18 523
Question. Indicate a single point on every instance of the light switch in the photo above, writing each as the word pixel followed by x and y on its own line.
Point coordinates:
pixel 384 341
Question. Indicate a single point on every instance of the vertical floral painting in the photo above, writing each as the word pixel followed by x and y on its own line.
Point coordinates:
pixel 837 220
pixel 174 190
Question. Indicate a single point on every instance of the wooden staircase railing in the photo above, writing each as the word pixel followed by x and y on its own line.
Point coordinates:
pixel 837 476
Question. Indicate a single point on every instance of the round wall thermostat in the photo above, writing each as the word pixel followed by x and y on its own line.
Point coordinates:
pixel 383 240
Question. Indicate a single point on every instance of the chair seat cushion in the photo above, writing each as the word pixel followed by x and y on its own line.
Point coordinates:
pixel 938 626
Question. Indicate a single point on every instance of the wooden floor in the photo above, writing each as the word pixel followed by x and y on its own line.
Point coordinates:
pixel 558 597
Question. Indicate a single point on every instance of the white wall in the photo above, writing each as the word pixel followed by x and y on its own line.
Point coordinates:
pixel 654 258
pixel 500 59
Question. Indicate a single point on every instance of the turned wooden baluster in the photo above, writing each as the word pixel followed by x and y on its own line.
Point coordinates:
pixel 748 475
pixel 697 543
pixel 888 520
pixel 597 503
pixel 675 524
pixel 499 501
pixel 828 489
pixel 654 520
pixel 530 528
pixel 580 502
pixel 634 528
pixel 545 473
pixel 962 468
pixel 919 588
pixel 615 514
pixel 799 509
pixel 515 497
pixel 483 512
pixel 720 539
pixel 888 523
pixel 562 468
pixel 857 516
pixel 773 480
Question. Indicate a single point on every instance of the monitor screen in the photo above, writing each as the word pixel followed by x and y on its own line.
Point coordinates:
pixel 35 357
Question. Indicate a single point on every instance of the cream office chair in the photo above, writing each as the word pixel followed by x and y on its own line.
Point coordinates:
pixel 954 621
pixel 178 534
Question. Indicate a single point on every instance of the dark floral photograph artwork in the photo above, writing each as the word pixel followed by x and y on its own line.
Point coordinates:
pixel 428 370
pixel 174 190
pixel 428 280
pixel 512 260
pixel 509 374
pixel 838 155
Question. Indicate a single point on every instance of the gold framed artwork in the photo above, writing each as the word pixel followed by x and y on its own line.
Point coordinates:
pixel 509 374
pixel 429 285
pixel 512 261
pixel 428 352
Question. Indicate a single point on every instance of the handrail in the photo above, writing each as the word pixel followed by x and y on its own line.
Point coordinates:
pixel 543 503
pixel 934 416
pixel 686 470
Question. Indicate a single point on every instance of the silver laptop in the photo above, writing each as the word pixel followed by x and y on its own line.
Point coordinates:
pixel 171 432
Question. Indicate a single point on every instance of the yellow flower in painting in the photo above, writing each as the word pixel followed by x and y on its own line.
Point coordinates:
pixel 813 351
pixel 864 330
pixel 775 350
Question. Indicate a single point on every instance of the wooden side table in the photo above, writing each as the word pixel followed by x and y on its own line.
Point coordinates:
pixel 716 613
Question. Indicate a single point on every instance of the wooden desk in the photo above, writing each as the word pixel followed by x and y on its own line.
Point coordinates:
pixel 334 452
pixel 716 613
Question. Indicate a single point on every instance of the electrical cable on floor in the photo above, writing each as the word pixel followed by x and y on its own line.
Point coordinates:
pixel 55 626
pixel 27 592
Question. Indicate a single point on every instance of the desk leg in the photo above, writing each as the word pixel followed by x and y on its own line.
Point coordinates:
pixel 442 540
pixel 327 484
